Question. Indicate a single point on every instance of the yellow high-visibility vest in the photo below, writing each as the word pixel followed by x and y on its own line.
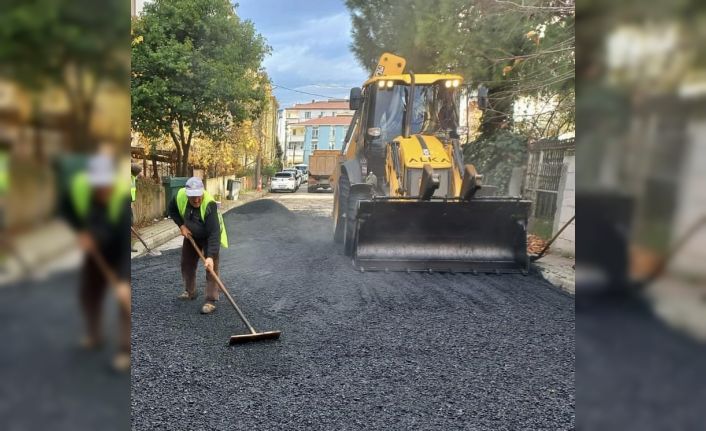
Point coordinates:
pixel 182 200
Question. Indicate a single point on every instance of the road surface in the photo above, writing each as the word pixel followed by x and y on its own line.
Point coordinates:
pixel 358 350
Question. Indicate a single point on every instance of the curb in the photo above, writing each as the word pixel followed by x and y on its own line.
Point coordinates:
pixel 173 231
pixel 563 283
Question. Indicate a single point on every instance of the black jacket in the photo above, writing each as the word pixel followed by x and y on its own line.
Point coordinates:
pixel 208 229
pixel 111 236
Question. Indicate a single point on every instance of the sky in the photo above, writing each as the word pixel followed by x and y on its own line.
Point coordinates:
pixel 310 47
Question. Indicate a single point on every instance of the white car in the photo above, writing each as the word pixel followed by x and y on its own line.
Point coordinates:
pixel 304 170
pixel 284 181
pixel 296 173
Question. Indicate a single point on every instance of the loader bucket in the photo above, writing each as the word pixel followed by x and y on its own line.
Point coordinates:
pixel 485 235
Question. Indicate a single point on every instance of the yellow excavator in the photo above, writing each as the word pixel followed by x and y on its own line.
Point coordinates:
pixel 404 199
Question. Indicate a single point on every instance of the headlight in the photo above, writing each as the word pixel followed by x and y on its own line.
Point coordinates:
pixel 456 83
pixel 390 84
pixel 447 84
pixel 381 84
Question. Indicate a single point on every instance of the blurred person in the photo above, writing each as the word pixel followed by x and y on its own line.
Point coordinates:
pixel 98 208
pixel 135 171
pixel 195 211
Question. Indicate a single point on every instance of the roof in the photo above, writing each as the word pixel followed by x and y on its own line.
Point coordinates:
pixel 322 104
pixel 339 120
pixel 419 78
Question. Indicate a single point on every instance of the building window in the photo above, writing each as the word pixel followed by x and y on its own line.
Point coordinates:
pixel 332 139
pixel 307 115
pixel 314 133
pixel 314 145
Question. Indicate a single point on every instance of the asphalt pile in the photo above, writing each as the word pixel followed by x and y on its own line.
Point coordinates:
pixel 358 350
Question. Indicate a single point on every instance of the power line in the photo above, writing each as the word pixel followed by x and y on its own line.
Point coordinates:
pixel 302 92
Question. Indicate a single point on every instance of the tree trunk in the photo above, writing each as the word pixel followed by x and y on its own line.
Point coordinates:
pixel 155 174
pixel 499 113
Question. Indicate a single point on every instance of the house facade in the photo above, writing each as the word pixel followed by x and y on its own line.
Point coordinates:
pixel 325 133
pixel 292 131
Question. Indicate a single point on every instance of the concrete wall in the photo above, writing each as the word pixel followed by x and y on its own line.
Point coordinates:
pixel 217 186
pixel 150 202
pixel 566 208
pixel 691 205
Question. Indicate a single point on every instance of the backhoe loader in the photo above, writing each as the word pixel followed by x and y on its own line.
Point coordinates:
pixel 404 198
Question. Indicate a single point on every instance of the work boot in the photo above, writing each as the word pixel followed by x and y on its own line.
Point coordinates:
pixel 90 343
pixel 186 296
pixel 208 308
pixel 121 362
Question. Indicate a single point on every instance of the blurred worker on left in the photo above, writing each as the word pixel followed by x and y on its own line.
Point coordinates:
pixel 98 207
pixel 135 171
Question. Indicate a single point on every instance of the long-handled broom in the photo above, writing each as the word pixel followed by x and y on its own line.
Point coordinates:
pixel 150 251
pixel 237 339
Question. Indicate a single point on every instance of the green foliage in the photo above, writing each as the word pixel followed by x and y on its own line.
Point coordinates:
pixel 196 69
pixel 495 157
pixel 40 39
pixel 271 170
pixel 73 45
pixel 489 42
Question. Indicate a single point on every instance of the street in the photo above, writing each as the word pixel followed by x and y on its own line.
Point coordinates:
pixel 358 350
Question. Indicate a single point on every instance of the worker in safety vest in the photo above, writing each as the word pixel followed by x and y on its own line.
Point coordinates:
pixel 135 171
pixel 4 179
pixel 195 211
pixel 98 208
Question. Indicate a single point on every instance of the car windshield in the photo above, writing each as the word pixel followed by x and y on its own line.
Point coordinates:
pixel 283 175
pixel 434 110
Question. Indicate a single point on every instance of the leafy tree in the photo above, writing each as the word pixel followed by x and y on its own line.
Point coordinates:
pixel 515 50
pixel 195 71
pixel 75 45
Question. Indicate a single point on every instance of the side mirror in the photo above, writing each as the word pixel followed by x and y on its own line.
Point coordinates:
pixel 355 98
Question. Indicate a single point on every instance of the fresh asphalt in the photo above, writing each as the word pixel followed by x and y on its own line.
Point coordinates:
pixel 358 350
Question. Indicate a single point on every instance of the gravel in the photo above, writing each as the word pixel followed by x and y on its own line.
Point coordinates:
pixel 46 381
pixel 358 350
pixel 633 371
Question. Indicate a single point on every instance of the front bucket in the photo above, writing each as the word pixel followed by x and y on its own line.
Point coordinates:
pixel 482 235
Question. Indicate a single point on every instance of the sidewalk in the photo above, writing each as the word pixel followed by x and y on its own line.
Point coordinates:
pixel 681 302
pixel 49 247
pixel 558 270
pixel 164 230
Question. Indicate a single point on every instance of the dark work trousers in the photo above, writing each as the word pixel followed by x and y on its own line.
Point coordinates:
pixel 92 294
pixel 189 263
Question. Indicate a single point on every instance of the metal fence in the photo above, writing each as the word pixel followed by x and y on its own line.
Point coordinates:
pixel 543 177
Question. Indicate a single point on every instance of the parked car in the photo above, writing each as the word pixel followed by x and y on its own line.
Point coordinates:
pixel 304 170
pixel 297 174
pixel 284 181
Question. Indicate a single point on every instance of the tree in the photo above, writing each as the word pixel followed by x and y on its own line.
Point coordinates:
pixel 76 45
pixel 516 50
pixel 512 49
pixel 196 70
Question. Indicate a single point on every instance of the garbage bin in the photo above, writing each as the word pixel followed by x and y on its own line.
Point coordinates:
pixel 172 186
pixel 233 187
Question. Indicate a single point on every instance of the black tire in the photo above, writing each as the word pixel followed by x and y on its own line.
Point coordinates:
pixel 349 232
pixel 342 199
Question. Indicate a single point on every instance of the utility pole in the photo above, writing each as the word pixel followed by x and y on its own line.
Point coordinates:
pixel 258 166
